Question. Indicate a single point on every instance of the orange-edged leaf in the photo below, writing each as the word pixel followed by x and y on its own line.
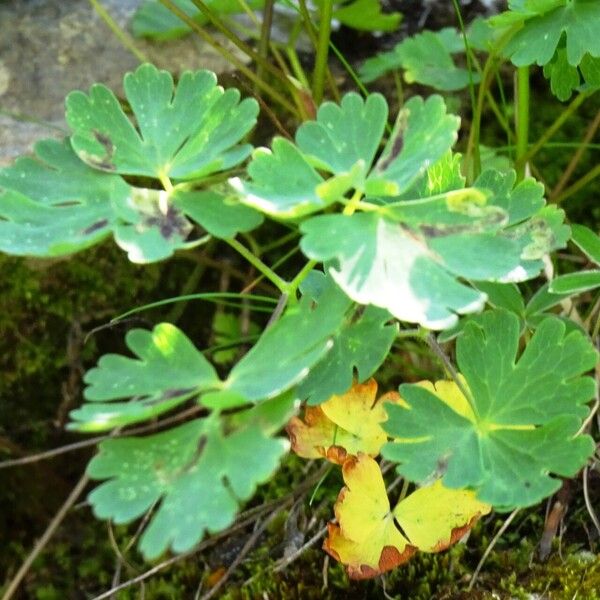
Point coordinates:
pixel 344 425
pixel 365 538
pixel 370 538
pixel 434 517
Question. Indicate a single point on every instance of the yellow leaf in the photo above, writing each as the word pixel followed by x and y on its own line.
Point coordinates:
pixel 369 538
pixel 344 425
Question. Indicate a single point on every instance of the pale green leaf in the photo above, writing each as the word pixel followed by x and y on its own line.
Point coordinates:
pixel 545 22
pixel 298 340
pixel 335 156
pixel 575 283
pixel 186 131
pixel 360 345
pixel 366 15
pixel 406 256
pixel 426 58
pixel 196 473
pixel 587 241
pixel 168 371
pixel 56 205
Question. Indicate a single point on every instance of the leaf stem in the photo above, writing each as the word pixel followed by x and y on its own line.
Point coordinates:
pixel 322 50
pixel 470 67
pixel 166 182
pixel 265 36
pixel 259 265
pixel 300 277
pixel 522 119
pixel 353 204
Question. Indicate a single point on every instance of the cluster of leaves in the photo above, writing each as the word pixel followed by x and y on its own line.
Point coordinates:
pixel 401 236
pixel 154 20
pixel 75 194
pixel 498 435
pixel 369 537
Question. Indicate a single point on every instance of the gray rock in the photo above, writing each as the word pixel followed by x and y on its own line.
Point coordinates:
pixel 50 47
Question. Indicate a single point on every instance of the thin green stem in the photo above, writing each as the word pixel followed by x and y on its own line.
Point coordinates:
pixel 469 55
pixel 558 123
pixel 522 119
pixel 265 35
pixel 300 277
pixel 353 204
pixel 229 56
pixel 321 58
pixel 472 156
pixel 120 33
pixel 259 265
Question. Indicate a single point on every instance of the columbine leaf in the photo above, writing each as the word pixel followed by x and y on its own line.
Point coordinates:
pixel 346 424
pixel 521 425
pixel 197 473
pixel 184 132
pixel 426 58
pixel 168 371
pixel 366 537
pixel 543 25
pixel 218 213
pixel 405 257
pixel 366 15
pixel 56 205
pixel 299 339
pixel 342 142
pixel 360 346
pixel 565 78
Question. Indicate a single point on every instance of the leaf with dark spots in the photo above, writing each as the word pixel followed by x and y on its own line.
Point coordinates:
pixel 334 156
pixel 184 131
pixel 56 205
pixel 96 226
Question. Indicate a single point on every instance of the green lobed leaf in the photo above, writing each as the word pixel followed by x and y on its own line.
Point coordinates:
pixel 168 371
pixel 366 15
pixel 286 181
pixel 503 295
pixel 360 345
pixel 518 428
pixel 298 340
pixel 543 24
pixel 542 300
pixel 186 131
pixel 198 474
pixel 426 58
pixel 218 213
pixel 406 256
pixel 56 205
